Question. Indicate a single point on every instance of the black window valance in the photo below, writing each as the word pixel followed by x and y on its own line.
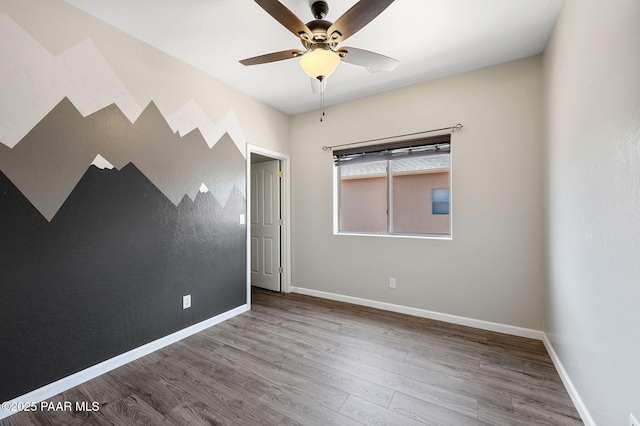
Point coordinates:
pixel 423 146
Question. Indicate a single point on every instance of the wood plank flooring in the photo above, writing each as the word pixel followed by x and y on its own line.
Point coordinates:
pixel 299 360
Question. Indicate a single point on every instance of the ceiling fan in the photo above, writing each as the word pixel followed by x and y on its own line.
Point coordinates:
pixel 320 39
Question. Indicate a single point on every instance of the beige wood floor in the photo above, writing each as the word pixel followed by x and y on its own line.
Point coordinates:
pixel 299 360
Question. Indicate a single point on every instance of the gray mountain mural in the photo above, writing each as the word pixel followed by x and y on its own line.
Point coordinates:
pixel 44 168
pixel 109 214
pixel 108 272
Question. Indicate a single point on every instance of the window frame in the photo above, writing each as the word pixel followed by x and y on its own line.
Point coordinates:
pixel 389 175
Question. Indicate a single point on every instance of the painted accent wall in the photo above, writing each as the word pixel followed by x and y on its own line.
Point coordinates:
pixel 592 134
pixel 122 182
pixel 494 267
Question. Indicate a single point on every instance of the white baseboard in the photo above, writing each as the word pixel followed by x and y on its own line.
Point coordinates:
pixel 73 380
pixel 454 319
pixel 69 382
pixel 566 380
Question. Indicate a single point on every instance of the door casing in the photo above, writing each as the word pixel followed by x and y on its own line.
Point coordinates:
pixel 285 194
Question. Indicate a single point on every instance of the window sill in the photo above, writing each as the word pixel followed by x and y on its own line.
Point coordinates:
pixel 410 236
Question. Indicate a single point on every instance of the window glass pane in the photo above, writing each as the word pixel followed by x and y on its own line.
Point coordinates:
pixel 414 178
pixel 440 207
pixel 363 197
pixel 440 194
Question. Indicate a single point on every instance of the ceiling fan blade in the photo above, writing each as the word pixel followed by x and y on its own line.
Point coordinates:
pixel 318 86
pixel 273 57
pixel 356 18
pixel 371 60
pixel 286 18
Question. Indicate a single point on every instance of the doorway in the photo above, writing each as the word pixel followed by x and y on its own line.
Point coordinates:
pixel 268 240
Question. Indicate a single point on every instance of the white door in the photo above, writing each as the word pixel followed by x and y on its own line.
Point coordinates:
pixel 265 225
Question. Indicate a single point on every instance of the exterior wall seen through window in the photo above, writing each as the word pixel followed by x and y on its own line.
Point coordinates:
pixel 369 203
pixel 412 200
pixel 363 204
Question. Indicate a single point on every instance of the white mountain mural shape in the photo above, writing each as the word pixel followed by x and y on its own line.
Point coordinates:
pixel 81 90
pixel 101 163
pixel 34 82
pixel 190 117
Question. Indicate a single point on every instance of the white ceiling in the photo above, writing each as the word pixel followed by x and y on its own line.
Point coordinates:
pixel 430 38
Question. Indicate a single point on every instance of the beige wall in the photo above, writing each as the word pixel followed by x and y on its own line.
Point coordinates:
pixel 592 118
pixel 493 268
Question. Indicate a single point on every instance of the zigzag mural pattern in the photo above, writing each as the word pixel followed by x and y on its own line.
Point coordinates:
pixel 44 168
pixel 109 214
pixel 42 94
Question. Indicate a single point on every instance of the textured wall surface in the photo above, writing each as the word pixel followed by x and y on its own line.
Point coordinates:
pixel 108 273
pixel 122 182
pixel 592 116
pixel 493 268
pixel 105 271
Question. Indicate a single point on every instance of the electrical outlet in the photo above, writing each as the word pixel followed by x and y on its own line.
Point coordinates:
pixel 633 421
pixel 186 301
pixel 392 283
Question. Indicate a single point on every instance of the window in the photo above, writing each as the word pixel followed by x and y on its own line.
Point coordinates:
pixel 401 188
pixel 440 201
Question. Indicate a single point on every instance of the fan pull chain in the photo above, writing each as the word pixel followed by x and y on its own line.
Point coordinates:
pixel 322 89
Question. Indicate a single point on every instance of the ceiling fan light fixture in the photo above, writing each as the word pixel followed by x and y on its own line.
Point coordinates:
pixel 321 61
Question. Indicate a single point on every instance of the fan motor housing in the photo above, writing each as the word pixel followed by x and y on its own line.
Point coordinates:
pixel 319 29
